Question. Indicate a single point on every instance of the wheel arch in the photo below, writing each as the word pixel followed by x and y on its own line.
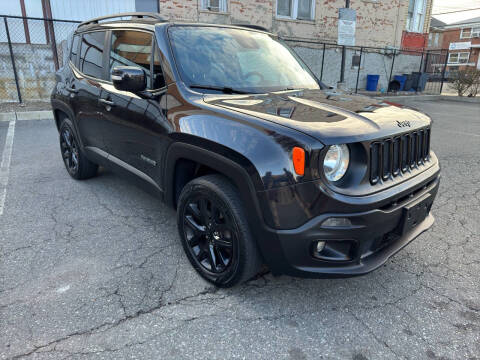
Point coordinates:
pixel 190 161
pixel 61 109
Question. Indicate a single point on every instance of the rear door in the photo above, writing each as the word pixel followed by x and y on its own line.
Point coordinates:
pixel 86 89
pixel 137 125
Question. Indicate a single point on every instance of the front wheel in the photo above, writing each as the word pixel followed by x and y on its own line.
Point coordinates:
pixel 214 231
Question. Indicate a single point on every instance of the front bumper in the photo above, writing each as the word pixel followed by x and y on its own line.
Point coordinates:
pixel 372 238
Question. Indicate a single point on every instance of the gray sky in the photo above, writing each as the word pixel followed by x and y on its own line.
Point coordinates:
pixel 442 6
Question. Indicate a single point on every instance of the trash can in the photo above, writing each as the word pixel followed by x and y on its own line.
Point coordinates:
pixel 394 86
pixel 408 82
pixel 401 79
pixel 422 82
pixel 415 80
pixel 372 82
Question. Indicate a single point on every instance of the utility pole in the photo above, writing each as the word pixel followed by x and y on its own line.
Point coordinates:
pixel 344 52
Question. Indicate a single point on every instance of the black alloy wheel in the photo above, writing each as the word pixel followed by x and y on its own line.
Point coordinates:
pixel 215 233
pixel 69 148
pixel 76 163
pixel 210 234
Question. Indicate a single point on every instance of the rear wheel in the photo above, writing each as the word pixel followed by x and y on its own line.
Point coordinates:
pixel 214 231
pixel 76 163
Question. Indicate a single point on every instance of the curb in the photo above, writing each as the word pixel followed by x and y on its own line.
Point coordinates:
pixel 403 99
pixel 27 115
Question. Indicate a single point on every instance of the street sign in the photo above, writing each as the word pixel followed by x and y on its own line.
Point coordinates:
pixel 347 21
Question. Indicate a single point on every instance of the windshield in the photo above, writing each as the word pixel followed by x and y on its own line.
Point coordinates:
pixel 246 61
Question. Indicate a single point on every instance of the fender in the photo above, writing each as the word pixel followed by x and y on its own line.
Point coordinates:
pixel 267 241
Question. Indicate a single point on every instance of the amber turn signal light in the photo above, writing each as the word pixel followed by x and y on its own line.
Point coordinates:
pixel 298 157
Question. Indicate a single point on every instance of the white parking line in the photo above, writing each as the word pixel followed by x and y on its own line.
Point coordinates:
pixel 5 164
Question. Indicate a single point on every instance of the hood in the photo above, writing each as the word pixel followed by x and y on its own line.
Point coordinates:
pixel 329 116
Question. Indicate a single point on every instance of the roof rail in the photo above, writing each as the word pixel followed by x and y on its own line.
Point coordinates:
pixel 251 26
pixel 138 15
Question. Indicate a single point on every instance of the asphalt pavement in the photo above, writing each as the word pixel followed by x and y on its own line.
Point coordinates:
pixel 95 270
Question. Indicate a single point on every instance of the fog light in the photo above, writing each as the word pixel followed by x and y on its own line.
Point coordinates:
pixel 320 246
pixel 337 222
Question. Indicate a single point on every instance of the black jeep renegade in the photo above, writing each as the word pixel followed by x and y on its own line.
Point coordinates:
pixel 264 164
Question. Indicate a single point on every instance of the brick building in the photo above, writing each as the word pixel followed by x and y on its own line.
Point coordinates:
pixel 394 23
pixel 462 39
pixel 380 23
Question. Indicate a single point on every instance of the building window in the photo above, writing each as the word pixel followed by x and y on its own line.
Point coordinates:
pixel 416 15
pixel 214 5
pixel 296 9
pixel 437 37
pixel 458 58
pixel 468 33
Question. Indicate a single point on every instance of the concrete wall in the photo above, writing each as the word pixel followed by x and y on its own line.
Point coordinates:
pixel 379 23
pixel 35 70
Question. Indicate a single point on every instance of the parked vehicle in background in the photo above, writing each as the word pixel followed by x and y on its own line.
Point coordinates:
pixel 263 163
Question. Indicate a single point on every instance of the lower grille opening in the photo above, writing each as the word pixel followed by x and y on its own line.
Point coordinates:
pixel 398 202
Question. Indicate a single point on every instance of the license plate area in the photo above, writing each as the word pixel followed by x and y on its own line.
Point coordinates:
pixel 415 212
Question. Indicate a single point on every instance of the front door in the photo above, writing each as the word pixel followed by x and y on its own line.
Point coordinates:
pixel 137 126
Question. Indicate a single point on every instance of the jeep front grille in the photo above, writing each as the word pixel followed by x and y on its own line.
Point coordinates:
pixel 397 155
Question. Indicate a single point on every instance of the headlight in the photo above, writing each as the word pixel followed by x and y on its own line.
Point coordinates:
pixel 336 161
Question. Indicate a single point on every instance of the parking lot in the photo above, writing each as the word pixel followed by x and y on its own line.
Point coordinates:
pixel 95 269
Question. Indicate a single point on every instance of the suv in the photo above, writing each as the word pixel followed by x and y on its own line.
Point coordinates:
pixel 263 163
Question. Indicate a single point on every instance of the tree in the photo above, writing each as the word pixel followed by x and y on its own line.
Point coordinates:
pixel 467 82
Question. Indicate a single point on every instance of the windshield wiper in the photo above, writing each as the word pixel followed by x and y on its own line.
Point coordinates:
pixel 224 89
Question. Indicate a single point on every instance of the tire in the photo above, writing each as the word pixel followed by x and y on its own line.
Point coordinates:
pixel 75 161
pixel 214 231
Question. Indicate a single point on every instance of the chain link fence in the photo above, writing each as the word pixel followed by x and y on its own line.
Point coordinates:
pixel 423 71
pixel 32 49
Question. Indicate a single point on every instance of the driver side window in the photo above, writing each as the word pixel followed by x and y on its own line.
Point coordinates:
pixel 134 48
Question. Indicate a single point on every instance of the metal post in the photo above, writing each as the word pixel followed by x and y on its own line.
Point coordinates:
pixel 323 61
pixel 344 53
pixel 391 70
pixel 358 72
pixel 443 71
pixel 25 22
pixel 48 10
pixel 12 58
pixel 53 44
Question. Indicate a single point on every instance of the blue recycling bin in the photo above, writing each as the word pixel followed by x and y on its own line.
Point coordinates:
pixel 372 82
pixel 401 79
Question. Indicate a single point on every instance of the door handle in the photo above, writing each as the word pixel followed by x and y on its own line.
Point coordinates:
pixel 72 89
pixel 106 102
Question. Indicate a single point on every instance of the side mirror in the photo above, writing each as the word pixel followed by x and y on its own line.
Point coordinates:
pixel 129 78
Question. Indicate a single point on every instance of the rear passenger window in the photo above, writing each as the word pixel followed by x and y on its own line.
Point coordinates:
pixel 131 48
pixel 73 53
pixel 91 54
